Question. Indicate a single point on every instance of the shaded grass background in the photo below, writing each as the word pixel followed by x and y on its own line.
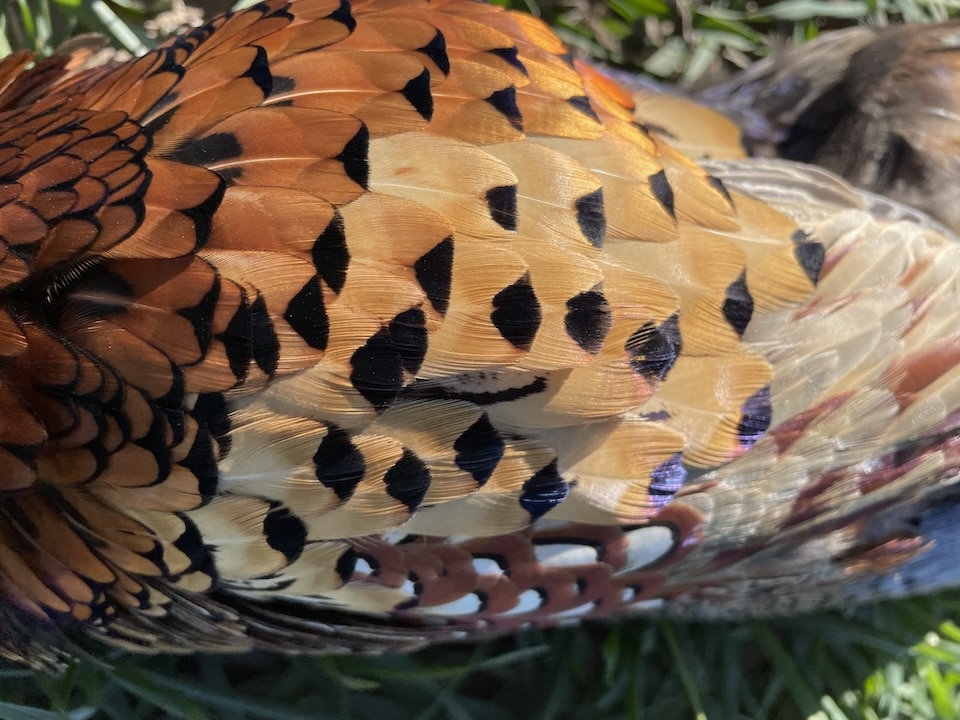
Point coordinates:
pixel 892 660
pixel 880 662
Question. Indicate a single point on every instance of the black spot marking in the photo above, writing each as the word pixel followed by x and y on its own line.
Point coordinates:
pixel 582 103
pixel 666 479
pixel 259 72
pixel 237 339
pixel 266 346
pixel 164 118
pixel 379 366
pixel 717 184
pixel 241 339
pixel 588 320
pixel 155 443
pixel 436 50
pixel 544 491
pixel 136 203
pixel 517 314
pixel 756 414
pixel 191 39
pixel 377 373
pixel 191 544
pixel 330 254
pixel 424 391
pixel 502 203
pixel 231 174
pixel 591 217
pixel 346 564
pixel 479 450
pixel 408 330
pixel 202 215
pixel 208 150
pixel 202 463
pixel 339 463
pixel 282 85
pixel 98 294
pixel 343 15
pixel 284 531
pixel 810 255
pixel 663 192
pixel 434 272
pixel 200 317
pixel 417 92
pixel 155 556
pixel 738 304
pixel 155 439
pixel 505 103
pixel 654 350
pixel 355 157
pixel 512 56
pixel 417 585
pixel 307 315
pixel 408 480
pixel 211 411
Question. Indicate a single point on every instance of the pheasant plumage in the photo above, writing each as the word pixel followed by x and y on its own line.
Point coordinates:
pixel 358 326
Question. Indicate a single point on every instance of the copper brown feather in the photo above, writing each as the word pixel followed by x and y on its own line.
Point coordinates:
pixel 358 326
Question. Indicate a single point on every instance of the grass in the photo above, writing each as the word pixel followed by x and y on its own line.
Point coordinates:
pixel 684 40
pixel 880 662
pixel 892 660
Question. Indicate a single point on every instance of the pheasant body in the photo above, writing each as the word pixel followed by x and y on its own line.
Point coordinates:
pixel 356 326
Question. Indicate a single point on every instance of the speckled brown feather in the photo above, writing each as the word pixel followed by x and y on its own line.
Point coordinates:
pixel 357 326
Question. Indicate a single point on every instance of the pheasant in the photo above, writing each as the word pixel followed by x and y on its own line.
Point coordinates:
pixel 354 326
